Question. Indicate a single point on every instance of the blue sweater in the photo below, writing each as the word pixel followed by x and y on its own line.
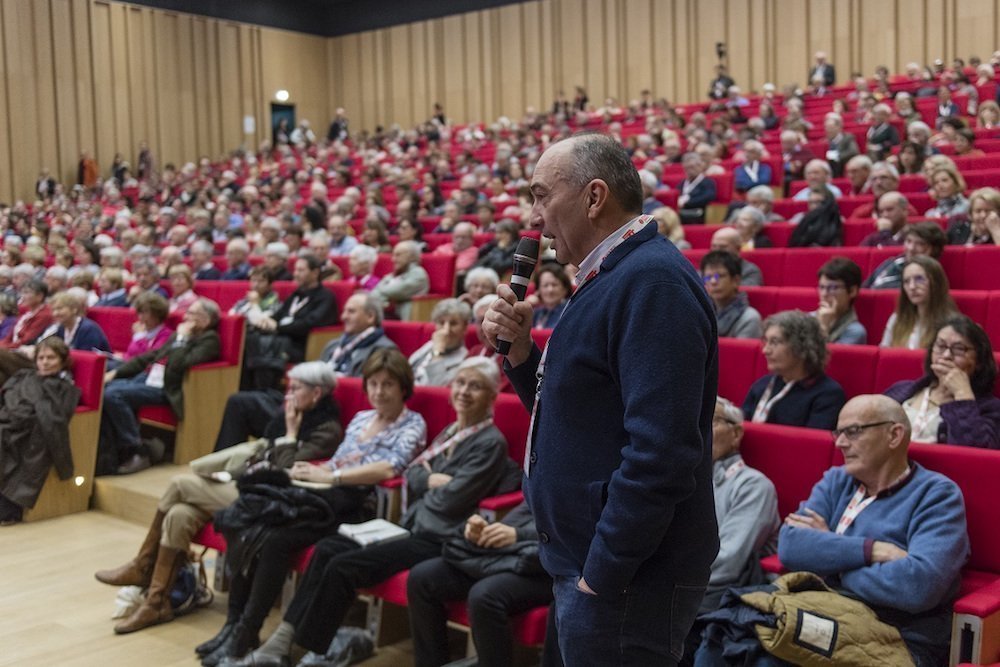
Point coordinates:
pixel 620 480
pixel 925 516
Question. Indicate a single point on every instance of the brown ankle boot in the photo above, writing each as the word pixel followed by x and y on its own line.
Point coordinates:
pixel 137 571
pixel 156 607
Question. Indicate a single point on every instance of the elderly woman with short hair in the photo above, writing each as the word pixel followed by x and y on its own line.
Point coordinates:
pixel 750 223
pixel 361 263
pixel 479 282
pixel 981 225
pixel 796 391
pixel 437 361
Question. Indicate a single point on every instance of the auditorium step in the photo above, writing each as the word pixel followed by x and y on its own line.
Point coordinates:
pixel 134 497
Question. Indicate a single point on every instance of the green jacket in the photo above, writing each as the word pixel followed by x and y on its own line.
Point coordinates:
pixel 198 349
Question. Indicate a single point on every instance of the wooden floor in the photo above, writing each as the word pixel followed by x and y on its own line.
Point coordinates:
pixel 54 612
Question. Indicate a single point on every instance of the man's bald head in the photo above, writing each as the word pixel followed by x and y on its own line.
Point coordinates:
pixel 872 408
pixel 727 239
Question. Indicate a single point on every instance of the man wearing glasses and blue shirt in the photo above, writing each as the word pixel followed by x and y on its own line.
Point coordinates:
pixel 883 529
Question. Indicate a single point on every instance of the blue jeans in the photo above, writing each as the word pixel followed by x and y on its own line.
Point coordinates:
pixel 119 424
pixel 644 626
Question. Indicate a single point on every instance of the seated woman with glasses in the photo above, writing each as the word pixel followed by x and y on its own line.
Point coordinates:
pixel 838 283
pixel 796 391
pixel 953 402
pixel 924 303
pixel 736 318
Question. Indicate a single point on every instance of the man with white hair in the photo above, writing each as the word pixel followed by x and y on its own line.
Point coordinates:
pixel 884 178
pixel 649 201
pixel 237 266
pixel 462 246
pixel 761 197
pixel 363 334
pixel 824 69
pixel 407 280
pixel 201 261
pixel 818 174
pixel 276 260
pixel 752 172
pixel 841 146
pixel 858 170
pixel 919 133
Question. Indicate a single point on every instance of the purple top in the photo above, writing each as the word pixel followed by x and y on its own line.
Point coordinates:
pixel 973 423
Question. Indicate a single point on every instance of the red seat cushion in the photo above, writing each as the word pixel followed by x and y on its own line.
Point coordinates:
pixel 392 589
pixel 162 414
pixel 794 458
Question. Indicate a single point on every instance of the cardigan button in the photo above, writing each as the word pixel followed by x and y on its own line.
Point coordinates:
pixel 533 458
pixel 543 538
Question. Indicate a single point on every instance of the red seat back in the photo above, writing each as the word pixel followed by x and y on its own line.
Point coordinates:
pixel 853 367
pixel 116 324
pixel 231 333
pixel 408 336
pixel 88 375
pixel 737 367
pixel 895 364
pixel 771 262
pixel 441 272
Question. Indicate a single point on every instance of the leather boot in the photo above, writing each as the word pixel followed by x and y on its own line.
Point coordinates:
pixel 137 571
pixel 215 642
pixel 156 607
pixel 240 642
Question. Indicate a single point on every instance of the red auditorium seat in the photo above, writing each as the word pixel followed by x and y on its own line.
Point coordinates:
pixel 853 366
pixel 896 364
pixel 737 367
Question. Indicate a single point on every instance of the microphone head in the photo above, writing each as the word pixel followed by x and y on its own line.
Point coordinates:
pixel 526 256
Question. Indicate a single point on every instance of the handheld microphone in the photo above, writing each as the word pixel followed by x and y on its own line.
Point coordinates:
pixel 525 259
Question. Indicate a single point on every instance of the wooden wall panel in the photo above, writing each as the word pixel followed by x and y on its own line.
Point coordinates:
pixel 48 135
pixel 19 61
pixel 67 133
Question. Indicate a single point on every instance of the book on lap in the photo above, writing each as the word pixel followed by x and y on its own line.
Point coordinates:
pixel 372 532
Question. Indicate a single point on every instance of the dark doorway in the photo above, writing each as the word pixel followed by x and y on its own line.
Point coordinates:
pixel 282 122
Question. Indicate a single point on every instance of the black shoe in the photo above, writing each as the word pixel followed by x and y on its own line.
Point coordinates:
pixel 135 464
pixel 215 642
pixel 10 512
pixel 251 660
pixel 239 642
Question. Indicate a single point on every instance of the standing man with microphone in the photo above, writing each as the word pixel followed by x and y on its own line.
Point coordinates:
pixel 618 463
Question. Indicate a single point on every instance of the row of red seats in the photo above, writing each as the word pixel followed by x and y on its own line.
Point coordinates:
pixel 968 268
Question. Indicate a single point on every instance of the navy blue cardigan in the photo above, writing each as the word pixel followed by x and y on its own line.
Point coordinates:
pixel 814 403
pixel 620 481
pixel 89 336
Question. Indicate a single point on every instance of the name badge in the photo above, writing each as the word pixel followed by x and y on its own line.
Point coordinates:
pixel 155 377
pixel 285 321
pixel 833 156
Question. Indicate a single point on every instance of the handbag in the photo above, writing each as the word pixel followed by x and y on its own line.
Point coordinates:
pixel 234 460
pixel 481 562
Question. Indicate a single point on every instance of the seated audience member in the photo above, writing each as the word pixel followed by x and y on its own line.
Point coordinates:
pixel 112 289
pixel 149 331
pixel 796 391
pixel 953 402
pixel 924 302
pixel 697 190
pixel 72 326
pixel 281 338
pixel 746 507
pixel 882 135
pixel 964 142
pixel 479 282
pixel 341 242
pixel 407 280
pixel 919 239
pixel 378 445
pixel 436 362
pixel 821 225
pixel 56 278
pixel 308 428
pixel 412 231
pixel 465 463
pixel 201 261
pixel 261 300
pixel 553 287
pixel 720 271
pixel 147 279
pixel 761 198
pixel 884 178
pixel 36 316
pixel 35 408
pixel 361 263
pixel 8 313
pixel 461 246
pixel 649 184
pixel 752 172
pixel 947 186
pixel 750 224
pixel 912 530
pixel 729 240
pixel 981 226
pixel 838 286
pixel 237 266
pixel 498 254
pixel 363 335
pixel 818 175
pixel 668 224
pixel 858 171
pixel 891 223
pixel 841 146
pixel 511 583
pixel 910 158
pixel 153 378
pixel 276 260
pixel 375 234
pixel 319 247
pixel 182 289
pixel 794 155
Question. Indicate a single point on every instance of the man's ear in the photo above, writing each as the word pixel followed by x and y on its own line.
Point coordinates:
pixel 597 197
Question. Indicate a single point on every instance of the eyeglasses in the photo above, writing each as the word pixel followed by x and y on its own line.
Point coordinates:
pixel 713 277
pixel 957 349
pixel 830 288
pixel 854 430
pixel 915 280
pixel 772 342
